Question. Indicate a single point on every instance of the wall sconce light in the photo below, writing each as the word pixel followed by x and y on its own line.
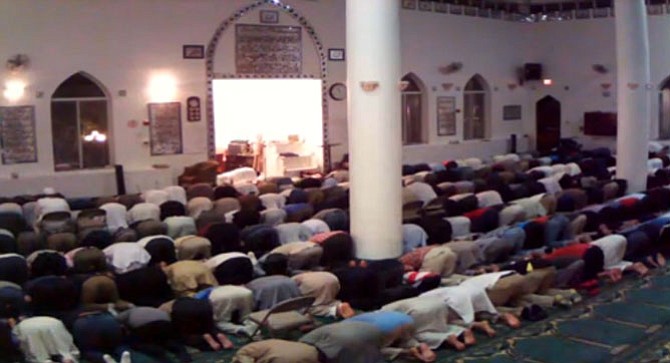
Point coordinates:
pixel 162 88
pixel 606 89
pixel 547 81
pixel 14 90
pixel 369 86
pixel 95 136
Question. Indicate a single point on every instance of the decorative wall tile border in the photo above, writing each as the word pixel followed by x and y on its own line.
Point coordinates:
pixel 524 13
pixel 211 75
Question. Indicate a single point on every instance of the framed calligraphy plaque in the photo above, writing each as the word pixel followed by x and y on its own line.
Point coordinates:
pixel 165 128
pixel 17 135
pixel 268 49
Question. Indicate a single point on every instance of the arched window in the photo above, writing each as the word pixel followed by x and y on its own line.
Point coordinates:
pixel 475 101
pixel 412 111
pixel 80 124
pixel 664 110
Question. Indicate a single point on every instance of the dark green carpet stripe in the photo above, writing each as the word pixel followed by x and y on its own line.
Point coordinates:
pixel 501 358
pixel 601 332
pixel 551 349
pixel 661 282
pixel 641 314
pixel 654 349
pixel 652 296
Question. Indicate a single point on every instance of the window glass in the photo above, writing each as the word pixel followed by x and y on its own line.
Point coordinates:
pixel 474 109
pixel 412 112
pixel 93 119
pixel 65 135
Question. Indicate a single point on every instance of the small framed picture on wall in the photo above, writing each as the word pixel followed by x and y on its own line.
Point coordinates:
pixel 511 112
pixel 409 4
pixel 336 54
pixel 425 5
pixel 269 17
pixel 192 51
pixel 441 7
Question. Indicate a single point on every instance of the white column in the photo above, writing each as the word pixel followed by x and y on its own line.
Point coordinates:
pixel 633 102
pixel 375 146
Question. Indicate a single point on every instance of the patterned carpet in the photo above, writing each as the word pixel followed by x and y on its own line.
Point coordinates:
pixel 627 322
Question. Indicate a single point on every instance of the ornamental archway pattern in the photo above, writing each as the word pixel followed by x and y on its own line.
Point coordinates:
pixel 211 75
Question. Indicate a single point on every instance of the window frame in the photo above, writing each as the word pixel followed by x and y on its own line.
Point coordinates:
pixel 486 107
pixel 78 104
pixel 421 92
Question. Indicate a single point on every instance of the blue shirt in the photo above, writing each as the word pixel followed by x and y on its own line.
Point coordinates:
pixel 203 294
pixel 385 321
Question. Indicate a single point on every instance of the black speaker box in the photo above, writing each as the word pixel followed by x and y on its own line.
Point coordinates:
pixel 120 180
pixel 532 71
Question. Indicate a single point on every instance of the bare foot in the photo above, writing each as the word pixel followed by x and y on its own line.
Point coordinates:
pixel 423 353
pixel 660 259
pixel 212 343
pixel 614 275
pixel 345 310
pixel 618 273
pixel 651 262
pixel 454 342
pixel 511 320
pixel 469 338
pixel 640 268
pixel 225 342
pixel 352 263
pixel 485 327
pixel 363 263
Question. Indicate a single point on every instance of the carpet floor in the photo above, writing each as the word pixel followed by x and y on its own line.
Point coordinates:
pixel 627 322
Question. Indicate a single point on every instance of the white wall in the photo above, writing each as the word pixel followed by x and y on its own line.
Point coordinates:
pixel 492 48
pixel 569 49
pixel 121 43
pixel 124 42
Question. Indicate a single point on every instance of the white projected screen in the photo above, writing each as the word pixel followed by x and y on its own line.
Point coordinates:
pixel 273 108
